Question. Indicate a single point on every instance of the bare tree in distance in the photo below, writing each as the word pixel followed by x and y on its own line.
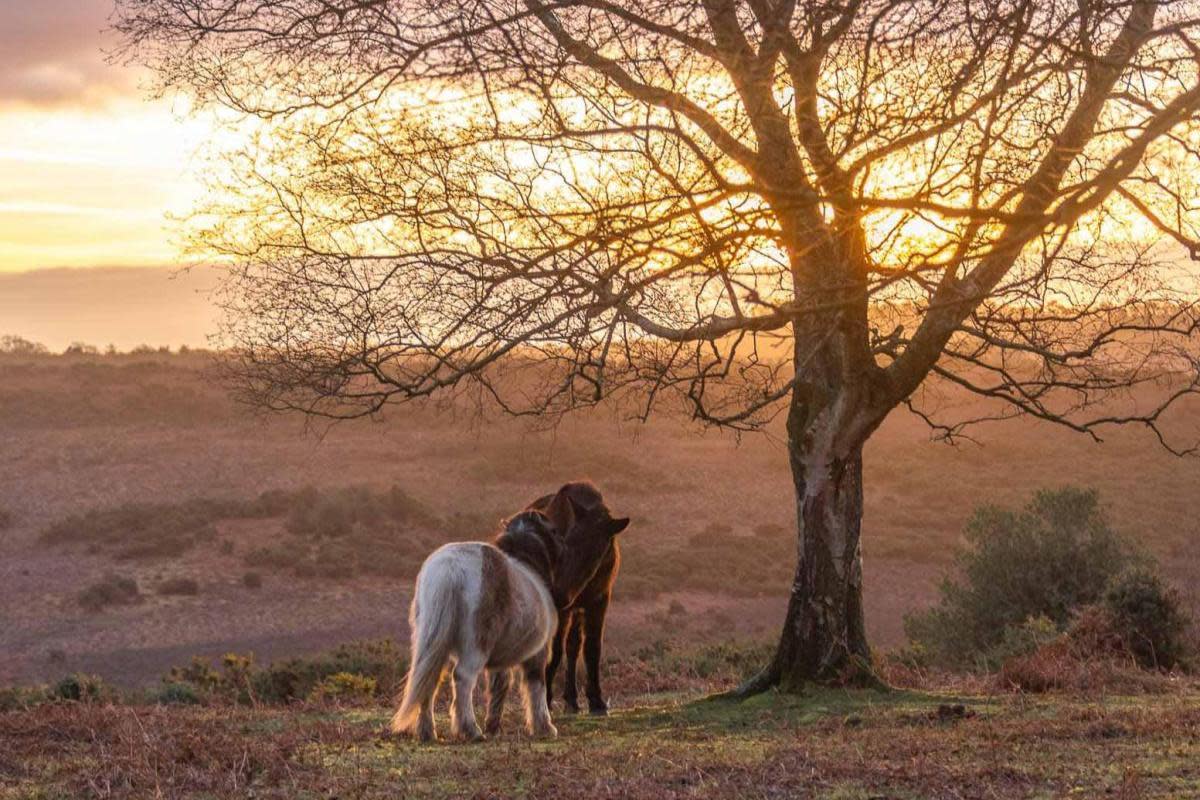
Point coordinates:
pixel 751 207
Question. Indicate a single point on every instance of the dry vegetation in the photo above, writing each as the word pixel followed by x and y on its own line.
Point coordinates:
pixel 138 466
pixel 828 744
pixel 149 521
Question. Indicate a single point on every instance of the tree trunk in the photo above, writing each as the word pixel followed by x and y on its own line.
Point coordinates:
pixel 824 635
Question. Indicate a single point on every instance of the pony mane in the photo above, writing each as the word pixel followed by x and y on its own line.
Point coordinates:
pixel 530 538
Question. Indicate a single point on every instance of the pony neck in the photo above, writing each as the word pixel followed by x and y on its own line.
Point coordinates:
pixel 530 550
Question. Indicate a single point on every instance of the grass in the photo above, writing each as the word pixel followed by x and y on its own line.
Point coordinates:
pixel 827 744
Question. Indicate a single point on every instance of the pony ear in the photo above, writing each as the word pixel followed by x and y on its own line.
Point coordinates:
pixel 562 513
pixel 617 525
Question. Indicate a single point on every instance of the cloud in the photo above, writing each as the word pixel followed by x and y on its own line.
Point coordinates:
pixel 52 54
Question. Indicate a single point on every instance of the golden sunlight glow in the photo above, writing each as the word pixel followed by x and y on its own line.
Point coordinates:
pixel 94 186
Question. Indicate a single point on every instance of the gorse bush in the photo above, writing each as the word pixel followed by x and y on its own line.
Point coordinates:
pixel 1148 616
pixel 1045 561
pixel 345 687
pixel 353 671
pixel 82 688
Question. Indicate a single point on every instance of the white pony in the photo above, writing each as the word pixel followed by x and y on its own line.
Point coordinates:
pixel 495 606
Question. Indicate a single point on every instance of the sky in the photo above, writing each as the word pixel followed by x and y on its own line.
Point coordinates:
pixel 90 168
pixel 92 173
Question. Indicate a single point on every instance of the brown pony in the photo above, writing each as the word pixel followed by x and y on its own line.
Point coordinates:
pixel 581 620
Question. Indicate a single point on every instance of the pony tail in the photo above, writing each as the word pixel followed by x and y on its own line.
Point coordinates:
pixel 433 627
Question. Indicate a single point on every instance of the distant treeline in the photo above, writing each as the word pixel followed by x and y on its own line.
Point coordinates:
pixel 14 345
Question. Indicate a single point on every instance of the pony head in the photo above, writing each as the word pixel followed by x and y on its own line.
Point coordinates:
pixel 532 538
pixel 589 533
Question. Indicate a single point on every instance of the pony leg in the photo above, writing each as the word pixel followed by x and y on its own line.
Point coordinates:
pixel 425 730
pixel 593 629
pixel 537 711
pixel 464 724
pixel 556 653
pixel 497 691
pixel 574 639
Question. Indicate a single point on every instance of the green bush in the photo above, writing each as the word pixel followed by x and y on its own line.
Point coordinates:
pixel 296 678
pixel 378 662
pixel 1022 639
pixel 1046 560
pixel 342 687
pixel 82 688
pixel 1148 615
pixel 198 674
pixel 178 694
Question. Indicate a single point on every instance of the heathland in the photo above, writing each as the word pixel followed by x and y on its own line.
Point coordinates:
pixel 146 519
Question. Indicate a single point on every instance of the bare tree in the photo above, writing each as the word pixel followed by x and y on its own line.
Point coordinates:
pixel 744 206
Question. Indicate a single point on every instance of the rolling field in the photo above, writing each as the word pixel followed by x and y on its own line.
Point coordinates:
pixel 711 537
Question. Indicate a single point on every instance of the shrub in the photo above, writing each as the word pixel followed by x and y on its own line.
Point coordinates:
pixel 142 530
pixel 1023 639
pixel 198 674
pixel 335 512
pixel 113 590
pixel 179 586
pixel 178 694
pixel 6 519
pixel 20 346
pixel 19 698
pixel 1092 655
pixel 342 687
pixel 1148 615
pixel 1046 560
pixel 296 678
pixel 377 662
pixel 82 688
pixel 336 533
pixel 252 580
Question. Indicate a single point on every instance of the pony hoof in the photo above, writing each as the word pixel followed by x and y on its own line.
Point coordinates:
pixel 570 708
pixel 598 711
pixel 548 732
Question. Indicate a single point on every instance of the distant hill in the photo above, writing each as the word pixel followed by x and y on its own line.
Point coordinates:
pixel 122 306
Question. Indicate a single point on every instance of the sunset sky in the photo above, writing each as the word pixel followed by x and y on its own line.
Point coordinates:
pixel 90 172
pixel 88 165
